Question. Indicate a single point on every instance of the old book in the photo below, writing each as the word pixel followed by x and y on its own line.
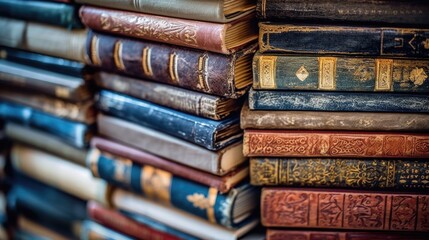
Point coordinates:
pixel 338 101
pixel 208 72
pixel 177 98
pixel 349 40
pixel 74 133
pixel 221 11
pixel 283 143
pixel 213 135
pixel 176 218
pixel 297 72
pixel 286 234
pixel 317 120
pixel 341 173
pixel 64 15
pixel 222 183
pixel 93 230
pixel 215 37
pixel 336 209
pixel 218 162
pixel 413 12
pixel 54 84
pixel 44 39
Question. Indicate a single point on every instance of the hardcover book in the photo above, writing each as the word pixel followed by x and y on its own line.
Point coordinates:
pixel 213 135
pixel 335 209
pixel 217 74
pixel 93 230
pixel 215 37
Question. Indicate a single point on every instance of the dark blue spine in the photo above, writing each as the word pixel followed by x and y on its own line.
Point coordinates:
pixel 198 130
pixel 338 101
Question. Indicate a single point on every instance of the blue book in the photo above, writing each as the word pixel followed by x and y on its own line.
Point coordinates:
pixel 92 230
pixel 338 101
pixel 74 133
pixel 207 133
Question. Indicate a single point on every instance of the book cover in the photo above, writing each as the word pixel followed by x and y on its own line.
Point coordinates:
pixel 93 230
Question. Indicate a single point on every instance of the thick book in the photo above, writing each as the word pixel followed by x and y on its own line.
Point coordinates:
pixel 412 12
pixel 60 14
pixel 317 120
pixel 214 37
pixel 342 73
pixel 222 183
pixel 219 162
pixel 220 11
pixel 176 218
pixel 336 209
pixel 213 135
pixel 93 230
pixel 74 133
pixel 196 103
pixel 347 40
pixel 228 209
pixel 401 174
pixel 290 143
pixel 217 74
pixel 338 101
pixel 43 38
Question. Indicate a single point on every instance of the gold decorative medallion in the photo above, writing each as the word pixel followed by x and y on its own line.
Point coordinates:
pixel 156 184
pixel 198 200
pixel 418 76
pixel 302 73
pixel 384 74
pixel 267 71
pixel 327 73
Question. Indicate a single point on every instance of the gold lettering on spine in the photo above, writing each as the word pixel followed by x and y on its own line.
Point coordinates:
pixel 156 184
pixel 327 73
pixel 62 92
pixel 267 71
pixel 95 57
pixel 146 62
pixel 172 68
pixel 117 56
pixel 202 72
pixel 92 161
pixel 384 74
pixel 212 200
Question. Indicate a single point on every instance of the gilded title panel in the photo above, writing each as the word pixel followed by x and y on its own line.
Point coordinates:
pixel 267 71
pixel 327 73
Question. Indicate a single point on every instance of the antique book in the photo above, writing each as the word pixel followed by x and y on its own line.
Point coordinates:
pixel 177 98
pixel 214 37
pixel 176 218
pixel 220 11
pixel 213 135
pixel 290 143
pixel 64 15
pixel 27 229
pixel 74 133
pixel 298 72
pixel 54 84
pixel 93 230
pixel 317 120
pixel 170 190
pixel 217 74
pixel 349 40
pixel 219 162
pixel 44 39
pixel 222 183
pixel 341 173
pixel 58 173
pixel 338 101
pixel 411 12
pixel 337 209
pixel 45 142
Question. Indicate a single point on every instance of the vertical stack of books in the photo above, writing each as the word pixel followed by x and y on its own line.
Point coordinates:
pixel 337 121
pixel 171 78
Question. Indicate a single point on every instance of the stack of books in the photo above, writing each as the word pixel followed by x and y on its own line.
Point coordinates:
pixel 171 79
pixel 336 126
pixel 4 154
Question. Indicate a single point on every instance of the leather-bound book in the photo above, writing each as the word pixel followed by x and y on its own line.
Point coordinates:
pixel 222 184
pixel 382 12
pixel 337 209
pixel 215 37
pixel 217 74
pixel 290 143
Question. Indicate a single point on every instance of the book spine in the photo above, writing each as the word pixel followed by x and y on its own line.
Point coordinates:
pixel 313 39
pixel 335 144
pixel 382 12
pixel 287 72
pixel 64 15
pixel 191 69
pixel 91 230
pixel 341 173
pixel 344 209
pixel 338 101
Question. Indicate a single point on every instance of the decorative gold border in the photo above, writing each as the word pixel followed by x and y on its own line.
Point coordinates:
pixel 172 67
pixel 146 62
pixel 95 57
pixel 156 184
pixel 202 72
pixel 117 56
pixel 267 72
pixel 212 195
pixel 384 74
pixel 327 73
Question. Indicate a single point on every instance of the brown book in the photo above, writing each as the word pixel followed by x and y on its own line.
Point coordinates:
pixel 214 37
pixel 282 143
pixel 336 209
pixel 222 184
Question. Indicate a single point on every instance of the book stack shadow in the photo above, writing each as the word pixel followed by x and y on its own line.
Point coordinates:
pixel 336 124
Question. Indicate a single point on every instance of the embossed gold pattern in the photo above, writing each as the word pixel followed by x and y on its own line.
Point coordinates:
pixel 418 76
pixel 302 73
pixel 384 74
pixel 198 200
pixel 267 71
pixel 156 184
pixel 203 72
pixel 264 172
pixel 327 73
